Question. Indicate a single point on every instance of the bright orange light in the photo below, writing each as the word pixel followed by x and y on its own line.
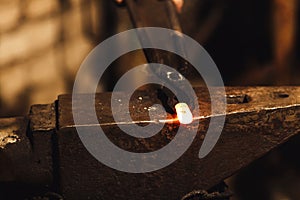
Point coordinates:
pixel 184 113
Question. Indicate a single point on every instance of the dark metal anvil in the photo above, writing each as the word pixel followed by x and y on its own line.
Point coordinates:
pixel 43 150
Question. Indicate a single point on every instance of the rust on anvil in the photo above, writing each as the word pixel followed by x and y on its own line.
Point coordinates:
pixel 258 119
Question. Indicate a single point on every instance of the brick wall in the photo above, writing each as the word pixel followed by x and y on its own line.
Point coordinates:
pixel 42 44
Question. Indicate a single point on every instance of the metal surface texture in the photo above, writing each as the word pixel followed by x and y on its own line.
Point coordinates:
pixel 25 162
pixel 258 119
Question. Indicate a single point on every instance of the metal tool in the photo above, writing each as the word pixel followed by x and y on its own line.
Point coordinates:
pixel 153 13
pixel 42 152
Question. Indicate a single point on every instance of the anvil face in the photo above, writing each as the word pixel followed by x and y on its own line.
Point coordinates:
pixel 56 158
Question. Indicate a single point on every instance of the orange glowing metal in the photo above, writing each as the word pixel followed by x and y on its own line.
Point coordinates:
pixel 184 113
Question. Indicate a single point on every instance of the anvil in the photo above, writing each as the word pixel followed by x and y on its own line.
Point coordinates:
pixel 43 152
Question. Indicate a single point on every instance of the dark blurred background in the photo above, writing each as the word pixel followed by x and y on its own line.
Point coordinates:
pixel 253 42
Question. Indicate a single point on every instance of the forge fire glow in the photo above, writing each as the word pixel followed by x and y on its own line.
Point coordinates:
pixel 184 113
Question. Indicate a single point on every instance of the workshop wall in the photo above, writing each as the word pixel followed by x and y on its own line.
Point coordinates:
pixel 42 43
pixel 41 47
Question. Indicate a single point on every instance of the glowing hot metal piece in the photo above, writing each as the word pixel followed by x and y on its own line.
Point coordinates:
pixel 184 113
